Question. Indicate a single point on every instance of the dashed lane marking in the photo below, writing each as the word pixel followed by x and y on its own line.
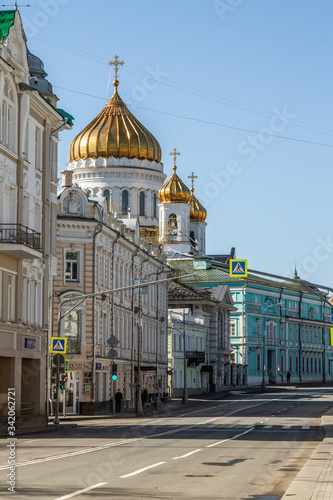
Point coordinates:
pixel 71 495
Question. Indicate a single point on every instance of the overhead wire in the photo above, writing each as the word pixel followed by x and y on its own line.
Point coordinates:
pixel 200 93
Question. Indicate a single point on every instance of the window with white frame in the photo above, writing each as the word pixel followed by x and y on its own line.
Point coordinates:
pixel 72 266
pixel 233 329
pixel 72 331
pixel 7 123
pixel 11 297
pixel 38 148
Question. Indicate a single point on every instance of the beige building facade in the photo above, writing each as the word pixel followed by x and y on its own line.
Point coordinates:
pixel 96 253
pixel 29 126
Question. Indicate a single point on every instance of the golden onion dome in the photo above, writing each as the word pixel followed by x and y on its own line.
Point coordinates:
pixel 115 132
pixel 198 213
pixel 174 190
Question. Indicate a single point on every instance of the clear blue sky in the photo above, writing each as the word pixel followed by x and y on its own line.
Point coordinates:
pixel 212 78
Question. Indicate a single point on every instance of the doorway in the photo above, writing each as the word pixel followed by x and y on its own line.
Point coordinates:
pixel 72 397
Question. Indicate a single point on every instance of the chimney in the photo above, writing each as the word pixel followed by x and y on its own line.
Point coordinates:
pixel 67 178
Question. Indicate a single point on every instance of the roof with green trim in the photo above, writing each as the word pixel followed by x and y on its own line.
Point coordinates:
pixel 216 274
pixel 6 21
pixel 64 113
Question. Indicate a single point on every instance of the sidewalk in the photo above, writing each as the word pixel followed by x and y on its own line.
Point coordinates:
pixel 315 480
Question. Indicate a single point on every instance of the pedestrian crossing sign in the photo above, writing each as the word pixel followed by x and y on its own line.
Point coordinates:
pixel 59 344
pixel 238 267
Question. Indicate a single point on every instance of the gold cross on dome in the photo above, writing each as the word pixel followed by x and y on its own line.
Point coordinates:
pixel 192 177
pixel 116 63
pixel 174 153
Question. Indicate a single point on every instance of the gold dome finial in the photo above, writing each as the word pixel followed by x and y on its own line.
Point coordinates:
pixel 116 63
pixel 174 153
pixel 198 213
pixel 192 177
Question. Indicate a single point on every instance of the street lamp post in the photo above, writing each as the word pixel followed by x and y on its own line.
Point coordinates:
pixel 263 382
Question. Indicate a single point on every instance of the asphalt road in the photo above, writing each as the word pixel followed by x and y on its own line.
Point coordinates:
pixel 237 448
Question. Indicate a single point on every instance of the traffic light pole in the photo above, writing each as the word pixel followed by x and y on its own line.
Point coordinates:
pixel 56 417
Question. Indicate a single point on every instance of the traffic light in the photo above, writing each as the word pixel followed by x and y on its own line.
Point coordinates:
pixel 62 382
pixel 114 372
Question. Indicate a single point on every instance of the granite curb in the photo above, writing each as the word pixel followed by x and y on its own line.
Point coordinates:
pixel 315 480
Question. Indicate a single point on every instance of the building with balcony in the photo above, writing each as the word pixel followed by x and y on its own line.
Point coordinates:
pixel 29 126
pixel 98 252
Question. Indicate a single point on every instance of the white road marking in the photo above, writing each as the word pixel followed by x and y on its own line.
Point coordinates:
pixel 267 427
pixel 187 454
pixel 229 439
pixel 305 427
pixel 141 470
pixel 230 426
pixel 71 495
pixel 286 427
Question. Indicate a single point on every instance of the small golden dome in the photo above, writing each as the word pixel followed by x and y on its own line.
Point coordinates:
pixel 115 132
pixel 198 213
pixel 174 190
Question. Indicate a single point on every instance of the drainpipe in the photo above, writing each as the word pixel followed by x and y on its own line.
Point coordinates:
pixel 132 308
pixel 323 340
pixel 99 230
pixel 50 285
pixel 300 337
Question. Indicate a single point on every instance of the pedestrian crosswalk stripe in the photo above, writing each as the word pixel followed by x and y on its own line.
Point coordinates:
pixel 305 427
pixel 267 426
pixel 286 427
pixel 230 426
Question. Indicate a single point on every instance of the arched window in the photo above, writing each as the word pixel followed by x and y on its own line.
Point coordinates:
pixel 7 129
pixel 172 225
pixel 142 203
pixel 124 202
pixel 89 192
pixel 193 240
pixel 107 195
pixel 154 205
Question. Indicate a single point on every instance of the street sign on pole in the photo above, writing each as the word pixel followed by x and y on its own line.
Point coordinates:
pixel 58 344
pixel 238 267
pixel 112 354
pixel 112 341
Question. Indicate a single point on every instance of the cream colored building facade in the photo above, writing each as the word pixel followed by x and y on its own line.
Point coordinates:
pixel 98 252
pixel 28 183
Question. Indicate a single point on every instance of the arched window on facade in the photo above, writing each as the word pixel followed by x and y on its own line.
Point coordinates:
pixel 172 225
pixel 107 195
pixel 142 203
pixel 124 202
pixel 193 240
pixel 7 129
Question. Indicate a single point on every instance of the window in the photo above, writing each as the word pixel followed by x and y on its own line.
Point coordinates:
pixel 7 125
pixel 124 202
pixel 38 148
pixel 71 266
pixel 258 362
pixel 107 195
pixel 72 332
pixel 172 225
pixel 142 203
pixel 11 297
pixel 89 192
pixel 233 329
pixel 258 327
pixel 155 206
pixel 296 364
pixel 193 239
